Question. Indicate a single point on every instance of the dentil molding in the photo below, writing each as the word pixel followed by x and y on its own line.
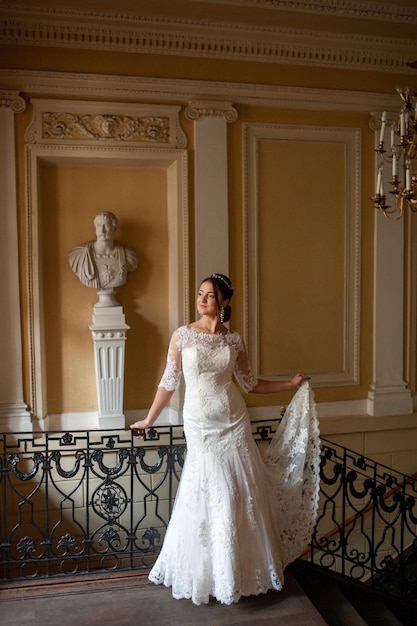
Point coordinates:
pixel 341 8
pixel 22 24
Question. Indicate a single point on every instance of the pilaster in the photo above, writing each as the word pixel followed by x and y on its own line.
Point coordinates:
pixel 389 393
pixel 211 185
pixel 14 414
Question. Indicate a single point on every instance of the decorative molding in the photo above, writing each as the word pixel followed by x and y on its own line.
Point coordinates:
pixel 380 11
pixel 175 163
pixel 391 116
pixel 362 9
pixel 15 417
pixel 375 121
pixel 78 122
pixel 12 100
pixel 140 34
pixel 104 126
pixel 132 88
pixel 211 108
pixel 350 138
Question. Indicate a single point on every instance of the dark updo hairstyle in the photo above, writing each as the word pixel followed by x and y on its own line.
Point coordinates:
pixel 223 289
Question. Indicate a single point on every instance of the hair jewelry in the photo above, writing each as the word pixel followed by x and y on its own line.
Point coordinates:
pixel 222 279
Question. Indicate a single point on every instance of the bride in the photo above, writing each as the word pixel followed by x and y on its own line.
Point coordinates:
pixel 238 518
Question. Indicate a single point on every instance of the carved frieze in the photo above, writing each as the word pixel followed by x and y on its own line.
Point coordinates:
pixel 78 122
pixel 149 129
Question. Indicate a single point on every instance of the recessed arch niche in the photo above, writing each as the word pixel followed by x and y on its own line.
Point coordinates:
pixel 58 174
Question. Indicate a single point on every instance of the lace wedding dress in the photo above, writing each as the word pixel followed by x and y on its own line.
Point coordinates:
pixel 238 519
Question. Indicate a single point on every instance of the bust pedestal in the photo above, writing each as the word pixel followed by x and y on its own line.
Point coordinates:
pixel 108 331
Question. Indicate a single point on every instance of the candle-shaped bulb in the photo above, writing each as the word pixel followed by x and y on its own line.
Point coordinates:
pixel 392 136
pixel 408 174
pixel 394 163
pixel 378 181
pixel 402 124
pixel 383 124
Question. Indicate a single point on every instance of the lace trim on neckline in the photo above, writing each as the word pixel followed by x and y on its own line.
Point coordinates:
pixel 218 333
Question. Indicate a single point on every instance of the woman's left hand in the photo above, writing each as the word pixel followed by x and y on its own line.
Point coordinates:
pixel 299 379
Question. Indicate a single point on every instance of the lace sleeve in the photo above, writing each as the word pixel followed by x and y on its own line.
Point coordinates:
pixel 173 369
pixel 243 370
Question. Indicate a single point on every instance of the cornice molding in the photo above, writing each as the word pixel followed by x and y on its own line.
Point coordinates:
pixel 205 39
pixel 133 89
pixel 359 9
pixel 339 8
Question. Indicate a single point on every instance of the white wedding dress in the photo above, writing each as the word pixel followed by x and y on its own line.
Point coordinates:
pixel 238 519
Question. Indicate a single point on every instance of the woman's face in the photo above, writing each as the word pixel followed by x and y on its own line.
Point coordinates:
pixel 206 299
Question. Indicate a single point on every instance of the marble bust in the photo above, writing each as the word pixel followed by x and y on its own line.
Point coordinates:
pixel 103 263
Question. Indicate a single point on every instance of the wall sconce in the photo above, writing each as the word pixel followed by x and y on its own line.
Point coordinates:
pixel 399 157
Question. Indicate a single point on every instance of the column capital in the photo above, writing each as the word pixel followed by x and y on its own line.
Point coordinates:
pixel 12 100
pixel 210 108
pixel 375 119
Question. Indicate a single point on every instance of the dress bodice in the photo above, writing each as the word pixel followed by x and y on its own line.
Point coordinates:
pixel 206 359
pixel 205 367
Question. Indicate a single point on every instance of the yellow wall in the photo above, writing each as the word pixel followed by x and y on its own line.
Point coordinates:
pixel 71 197
pixel 301 247
pixel 300 304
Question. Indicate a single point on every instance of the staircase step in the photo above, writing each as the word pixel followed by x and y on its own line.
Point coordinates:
pixel 343 602
pixel 329 600
pixel 373 610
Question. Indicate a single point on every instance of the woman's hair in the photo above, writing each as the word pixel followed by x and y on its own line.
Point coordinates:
pixel 223 289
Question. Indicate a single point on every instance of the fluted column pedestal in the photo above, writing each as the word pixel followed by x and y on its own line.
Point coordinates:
pixel 108 331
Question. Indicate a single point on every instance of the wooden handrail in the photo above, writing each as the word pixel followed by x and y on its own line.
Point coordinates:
pixel 351 519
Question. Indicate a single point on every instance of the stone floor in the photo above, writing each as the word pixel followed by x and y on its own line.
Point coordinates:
pixel 125 599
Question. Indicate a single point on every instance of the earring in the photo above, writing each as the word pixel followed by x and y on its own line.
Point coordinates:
pixel 222 315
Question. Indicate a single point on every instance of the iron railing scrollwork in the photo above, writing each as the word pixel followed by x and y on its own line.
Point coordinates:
pixel 94 501
pixel 85 501
pixel 367 524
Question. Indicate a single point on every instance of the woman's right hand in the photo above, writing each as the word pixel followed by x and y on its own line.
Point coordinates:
pixel 139 428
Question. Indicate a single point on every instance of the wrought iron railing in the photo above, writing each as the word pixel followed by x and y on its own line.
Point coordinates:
pixel 367 524
pixel 84 501
pixel 94 501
